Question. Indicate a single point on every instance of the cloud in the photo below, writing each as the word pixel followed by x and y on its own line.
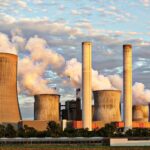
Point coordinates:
pixel 33 66
pixel 5 44
pixel 146 3
pixel 75 12
pixel 114 12
pixel 22 3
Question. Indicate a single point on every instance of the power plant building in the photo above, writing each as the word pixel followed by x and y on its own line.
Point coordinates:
pixel 46 107
pixel 9 107
pixel 140 113
pixel 87 85
pixel 107 106
pixel 127 85
pixel 72 110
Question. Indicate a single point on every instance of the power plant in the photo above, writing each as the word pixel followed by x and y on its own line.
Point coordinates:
pixel 9 107
pixel 107 106
pixel 127 85
pixel 46 107
pixel 87 85
pixel 140 113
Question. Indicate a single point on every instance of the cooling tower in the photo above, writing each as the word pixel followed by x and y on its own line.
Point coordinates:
pixel 46 107
pixel 86 85
pixel 9 107
pixel 107 105
pixel 140 113
pixel 127 85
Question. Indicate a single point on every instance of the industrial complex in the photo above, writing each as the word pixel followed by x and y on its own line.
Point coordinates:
pixel 79 113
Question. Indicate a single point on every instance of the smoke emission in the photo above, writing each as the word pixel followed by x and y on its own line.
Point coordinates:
pixel 36 57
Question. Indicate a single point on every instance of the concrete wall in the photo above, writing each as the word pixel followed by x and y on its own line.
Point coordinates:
pixel 107 106
pixel 46 107
pixel 36 124
pixel 126 142
pixel 9 107
pixel 140 113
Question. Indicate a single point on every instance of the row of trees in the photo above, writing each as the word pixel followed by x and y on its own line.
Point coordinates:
pixel 54 130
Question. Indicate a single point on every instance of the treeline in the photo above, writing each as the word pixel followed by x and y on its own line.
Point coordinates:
pixel 54 130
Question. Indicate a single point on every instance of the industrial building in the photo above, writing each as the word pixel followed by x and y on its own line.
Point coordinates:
pixel 72 110
pixel 46 107
pixel 78 113
pixel 107 106
pixel 140 113
pixel 9 107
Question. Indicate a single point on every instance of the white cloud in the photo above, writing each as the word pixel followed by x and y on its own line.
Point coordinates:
pixel 146 3
pixel 22 3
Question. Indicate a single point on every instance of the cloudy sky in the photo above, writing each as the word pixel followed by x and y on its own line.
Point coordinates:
pixel 47 36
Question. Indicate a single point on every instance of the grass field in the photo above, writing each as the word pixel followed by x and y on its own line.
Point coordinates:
pixel 67 147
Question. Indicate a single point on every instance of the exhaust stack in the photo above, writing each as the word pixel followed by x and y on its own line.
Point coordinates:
pixel 87 85
pixel 127 84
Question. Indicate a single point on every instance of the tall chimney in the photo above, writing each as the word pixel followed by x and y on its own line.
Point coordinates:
pixel 149 112
pixel 86 85
pixel 127 85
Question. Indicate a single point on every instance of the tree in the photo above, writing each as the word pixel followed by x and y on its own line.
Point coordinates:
pixel 108 131
pixel 30 131
pixel 2 131
pixel 10 131
pixel 21 132
pixel 53 129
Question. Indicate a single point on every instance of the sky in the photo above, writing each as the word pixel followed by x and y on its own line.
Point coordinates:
pixel 47 35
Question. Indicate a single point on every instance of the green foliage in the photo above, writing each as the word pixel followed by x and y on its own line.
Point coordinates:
pixel 29 131
pixel 20 132
pixel 2 131
pixel 109 130
pixel 54 130
pixel 10 131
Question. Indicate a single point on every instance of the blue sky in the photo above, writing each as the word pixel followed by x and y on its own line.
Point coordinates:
pixel 64 24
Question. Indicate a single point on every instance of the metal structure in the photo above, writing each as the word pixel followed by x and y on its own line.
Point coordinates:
pixel 140 113
pixel 58 140
pixel 72 110
pixel 127 85
pixel 107 105
pixel 9 107
pixel 46 107
pixel 86 85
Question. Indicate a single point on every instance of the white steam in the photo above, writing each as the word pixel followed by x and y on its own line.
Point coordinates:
pixel 36 57
pixel 5 45
pixel 140 94
pixel 33 66
pixel 73 70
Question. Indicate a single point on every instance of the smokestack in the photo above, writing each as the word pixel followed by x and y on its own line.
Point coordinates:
pixel 78 93
pixel 127 85
pixel 149 112
pixel 86 85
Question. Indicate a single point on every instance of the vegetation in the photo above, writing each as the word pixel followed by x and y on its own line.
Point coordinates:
pixel 54 130
pixel 69 147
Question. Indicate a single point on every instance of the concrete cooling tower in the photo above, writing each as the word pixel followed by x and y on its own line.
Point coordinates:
pixel 9 107
pixel 46 107
pixel 140 113
pixel 107 105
